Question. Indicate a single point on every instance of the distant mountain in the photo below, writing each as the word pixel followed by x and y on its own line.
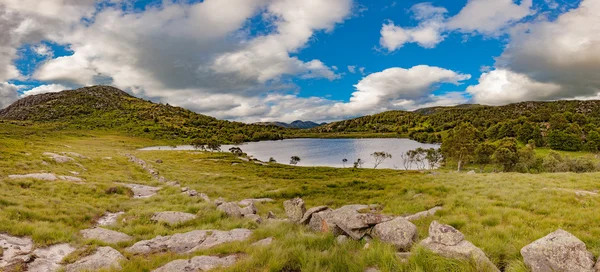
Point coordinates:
pixel 108 108
pixel 296 124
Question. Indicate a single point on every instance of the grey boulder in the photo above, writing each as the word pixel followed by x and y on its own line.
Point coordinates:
pixel 103 258
pixel 198 263
pixel 190 241
pixel 231 209
pixel 105 235
pixel 399 232
pixel 294 209
pixel 173 217
pixel 556 252
pixel 308 214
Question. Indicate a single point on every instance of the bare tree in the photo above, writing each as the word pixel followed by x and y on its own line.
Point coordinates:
pixel 380 157
pixel 405 161
pixel 359 163
pixel 344 161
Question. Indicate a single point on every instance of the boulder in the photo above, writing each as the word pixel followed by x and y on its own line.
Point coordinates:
pixel 173 217
pixel 307 215
pixel 399 232
pixel 341 239
pixel 254 217
pixel 141 191
pixel 198 263
pixel 597 267
pixel 250 209
pixel 263 242
pixel 14 248
pixel 192 192
pixel 219 201
pixel 38 176
pixel 58 158
pixel 556 252
pixel 103 258
pixel 105 235
pixel 204 197
pixel 109 219
pixel 231 209
pixel 354 223
pixel 159 161
pixel 445 234
pixel 461 250
pixel 48 259
pixel 323 222
pixel 190 241
pixel 422 214
pixel 184 189
pixel 249 201
pixel 294 209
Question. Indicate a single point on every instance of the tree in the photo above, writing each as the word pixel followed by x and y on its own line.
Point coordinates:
pixel 272 160
pixel 199 144
pixel 461 143
pixel 560 140
pixel 405 161
pixel 213 145
pixel 236 151
pixel 344 161
pixel 434 157
pixel 506 154
pixel 294 160
pixel 359 163
pixel 380 157
pixel 483 154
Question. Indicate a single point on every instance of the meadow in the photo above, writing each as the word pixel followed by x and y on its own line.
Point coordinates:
pixel 498 212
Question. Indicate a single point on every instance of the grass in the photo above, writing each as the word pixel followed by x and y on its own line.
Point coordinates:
pixel 498 212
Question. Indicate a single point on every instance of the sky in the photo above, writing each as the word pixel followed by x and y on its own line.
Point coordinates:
pixel 319 60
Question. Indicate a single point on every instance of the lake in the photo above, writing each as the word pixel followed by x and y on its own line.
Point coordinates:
pixel 325 152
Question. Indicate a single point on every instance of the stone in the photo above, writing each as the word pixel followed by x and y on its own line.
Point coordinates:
pixel 38 176
pixel 463 250
pixel 48 259
pixel 184 189
pixel 271 215
pixel 105 235
pixel 219 201
pixel 356 224
pixel 341 239
pixel 263 242
pixel 399 232
pixel 173 217
pixel 141 191
pixel 294 209
pixel 422 214
pixel 231 209
pixel 597 267
pixel 323 222
pixel 14 248
pixel 72 179
pixel 556 252
pixel 307 215
pixel 249 201
pixel 445 234
pixel 192 193
pixel 159 161
pixel 73 154
pixel 254 217
pixel 472 172
pixel 108 219
pixel 190 241
pixel 103 258
pixel 250 209
pixel 372 269
pixel 204 197
pixel 74 172
pixel 198 263
pixel 58 158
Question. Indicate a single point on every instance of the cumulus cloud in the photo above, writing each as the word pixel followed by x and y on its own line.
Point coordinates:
pixel 8 94
pixel 487 17
pixel 547 60
pixel 50 88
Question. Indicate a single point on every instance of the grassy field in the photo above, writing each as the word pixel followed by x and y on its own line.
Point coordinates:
pixel 498 212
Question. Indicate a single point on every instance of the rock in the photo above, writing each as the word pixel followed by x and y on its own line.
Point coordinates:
pixel 173 217
pixel 254 217
pixel 190 241
pixel 162 179
pixel 198 263
pixel 461 250
pixel 38 176
pixel 372 269
pixel 109 219
pixel 249 201
pixel 472 172
pixel 271 215
pixel 323 222
pixel 597 267
pixel 58 158
pixel 422 214
pixel 445 234
pixel 585 193
pixel 14 248
pixel 558 251
pixel 231 209
pixel 74 173
pixel 399 232
pixel 184 189
pixel 250 209
pixel 192 193
pixel 341 239
pixel 204 197
pixel 73 154
pixel 219 201
pixel 173 183
pixel 72 179
pixel 307 215
pixel 103 258
pixel 244 159
pixel 48 259
pixel 105 235
pixel 234 164
pixel 356 224
pixel 141 191
pixel 263 242
pixel 159 161
pixel 417 195
pixel 144 165
pixel 294 209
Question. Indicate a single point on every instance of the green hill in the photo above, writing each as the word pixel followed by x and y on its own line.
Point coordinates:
pixel 108 108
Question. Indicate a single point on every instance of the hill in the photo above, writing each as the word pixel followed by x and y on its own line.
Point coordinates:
pixel 108 108
pixel 296 124
pixel 563 125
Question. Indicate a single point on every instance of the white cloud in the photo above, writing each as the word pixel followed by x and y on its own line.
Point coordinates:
pixel 50 88
pixel 547 60
pixel 352 69
pixel 489 16
pixel 427 34
pixel 8 94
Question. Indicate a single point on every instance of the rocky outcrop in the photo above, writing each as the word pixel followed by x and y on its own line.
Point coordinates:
pixel 172 217
pixel 105 235
pixel 108 219
pixel 48 259
pixel 37 176
pixel 354 223
pixel 58 158
pixel 189 241
pixel 141 191
pixel 231 209
pixel 198 263
pixel 398 232
pixel 294 209
pixel 250 209
pixel 422 214
pixel 308 214
pixel 102 258
pixel 559 251
pixel 449 242
pixel 14 249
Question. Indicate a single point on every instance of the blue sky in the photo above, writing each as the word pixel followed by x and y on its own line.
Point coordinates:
pixel 323 60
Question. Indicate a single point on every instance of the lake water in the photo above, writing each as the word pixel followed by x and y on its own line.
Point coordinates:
pixel 325 152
